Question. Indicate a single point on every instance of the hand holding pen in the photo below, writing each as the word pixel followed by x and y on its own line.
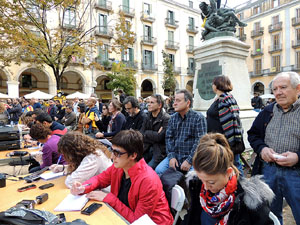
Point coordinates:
pixel 77 188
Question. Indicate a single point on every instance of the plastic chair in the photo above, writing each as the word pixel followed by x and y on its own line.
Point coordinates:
pixel 177 200
pixel 274 218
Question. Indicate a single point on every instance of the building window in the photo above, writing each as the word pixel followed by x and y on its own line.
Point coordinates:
pixel 191 4
pixel 191 23
pixel 297 35
pixel 103 23
pixel 148 58
pixel 257 45
pixel 147 33
pixel 257 66
pixel 298 13
pixel 171 37
pixel 298 59
pixel 126 7
pixel 127 55
pixel 276 42
pixel 240 16
pixel 275 20
pixel 147 9
pixel 191 41
pixel 241 31
pixel 256 10
pixel 191 64
pixel 172 59
pixel 70 17
pixel 103 53
pixel 257 26
pixel 170 17
pixel 274 3
pixel 276 63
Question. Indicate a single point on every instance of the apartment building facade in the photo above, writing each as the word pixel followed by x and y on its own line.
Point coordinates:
pixel 172 26
pixel 273 32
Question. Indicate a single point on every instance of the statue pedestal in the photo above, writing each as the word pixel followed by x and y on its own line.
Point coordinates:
pixel 223 56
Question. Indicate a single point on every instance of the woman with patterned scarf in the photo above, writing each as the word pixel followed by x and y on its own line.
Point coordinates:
pixel 218 195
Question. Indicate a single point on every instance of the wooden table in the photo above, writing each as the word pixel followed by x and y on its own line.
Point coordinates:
pixel 9 196
pixel 5 159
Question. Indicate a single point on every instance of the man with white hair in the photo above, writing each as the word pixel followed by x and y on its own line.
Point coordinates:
pixel 275 137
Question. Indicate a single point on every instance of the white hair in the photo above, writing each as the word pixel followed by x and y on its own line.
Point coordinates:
pixel 293 76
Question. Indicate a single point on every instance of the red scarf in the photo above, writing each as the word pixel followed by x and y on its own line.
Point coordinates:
pixel 220 204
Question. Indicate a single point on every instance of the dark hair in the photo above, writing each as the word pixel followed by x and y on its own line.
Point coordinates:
pixel 69 107
pixel 39 131
pixel 120 91
pixel 75 146
pixel 187 96
pixel 223 83
pixel 30 113
pixel 44 117
pixel 81 107
pixel 116 104
pixel 159 99
pixel 131 141
pixel 134 102
pixel 213 155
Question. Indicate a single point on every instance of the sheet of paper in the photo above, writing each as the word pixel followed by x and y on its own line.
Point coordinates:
pixel 72 203
pixel 144 220
pixel 51 175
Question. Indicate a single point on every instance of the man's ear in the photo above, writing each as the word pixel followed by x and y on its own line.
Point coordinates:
pixel 133 156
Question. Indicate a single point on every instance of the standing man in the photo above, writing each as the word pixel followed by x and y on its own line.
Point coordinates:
pixel 154 131
pixel 256 102
pixel 135 117
pixel 185 129
pixel 15 111
pixel 88 120
pixel 52 110
pixel 75 105
pixel 275 137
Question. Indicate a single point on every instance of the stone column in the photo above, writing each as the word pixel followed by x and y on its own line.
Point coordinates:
pixel 13 88
pixel 223 56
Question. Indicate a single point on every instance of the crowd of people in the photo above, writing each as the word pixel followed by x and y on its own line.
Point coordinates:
pixel 125 146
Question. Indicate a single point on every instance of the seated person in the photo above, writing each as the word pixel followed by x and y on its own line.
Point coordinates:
pixel 55 127
pixel 103 121
pixel 117 121
pixel 50 154
pixel 135 188
pixel 85 156
pixel 219 196
pixel 69 120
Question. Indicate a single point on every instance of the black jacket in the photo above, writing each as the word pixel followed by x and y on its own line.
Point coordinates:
pixel 15 112
pixel 251 206
pixel 103 123
pixel 135 122
pixel 154 139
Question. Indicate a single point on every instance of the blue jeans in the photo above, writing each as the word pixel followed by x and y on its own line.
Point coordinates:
pixel 163 166
pixel 285 183
pixel 238 164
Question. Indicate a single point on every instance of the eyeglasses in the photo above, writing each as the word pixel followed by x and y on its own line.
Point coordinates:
pixel 127 109
pixel 117 153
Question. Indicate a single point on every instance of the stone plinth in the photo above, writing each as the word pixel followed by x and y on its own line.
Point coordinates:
pixel 223 56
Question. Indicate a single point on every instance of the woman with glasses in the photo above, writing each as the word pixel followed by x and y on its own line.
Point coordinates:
pixel 102 123
pixel 117 121
pixel 85 157
pixel 135 188
pixel 218 194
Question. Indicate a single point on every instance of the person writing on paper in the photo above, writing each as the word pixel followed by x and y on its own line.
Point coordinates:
pixel 50 153
pixel 135 188
pixel 85 156
pixel 218 194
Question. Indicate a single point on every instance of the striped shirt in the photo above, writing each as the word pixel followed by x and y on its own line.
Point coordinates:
pixel 183 135
pixel 283 131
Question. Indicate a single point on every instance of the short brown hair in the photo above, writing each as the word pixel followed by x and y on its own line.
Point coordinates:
pixel 75 146
pixel 39 132
pixel 213 155
pixel 223 83
pixel 116 104
pixel 131 141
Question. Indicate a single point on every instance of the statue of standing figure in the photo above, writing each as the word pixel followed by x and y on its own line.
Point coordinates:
pixel 218 19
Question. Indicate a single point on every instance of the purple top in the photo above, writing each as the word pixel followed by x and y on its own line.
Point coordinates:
pixel 50 154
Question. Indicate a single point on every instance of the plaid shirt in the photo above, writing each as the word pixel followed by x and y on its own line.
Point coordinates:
pixel 283 131
pixel 183 135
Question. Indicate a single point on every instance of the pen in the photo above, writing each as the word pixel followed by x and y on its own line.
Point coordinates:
pixel 58 159
pixel 85 185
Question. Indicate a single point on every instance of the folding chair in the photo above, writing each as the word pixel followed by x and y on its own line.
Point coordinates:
pixel 177 200
pixel 274 218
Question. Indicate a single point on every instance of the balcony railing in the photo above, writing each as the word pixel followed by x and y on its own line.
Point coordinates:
pixel 190 71
pixel 107 64
pixel 296 43
pixel 171 23
pixel 242 37
pixel 149 67
pixel 275 27
pixel 77 61
pixel 148 40
pixel 172 45
pixel 190 49
pixel 147 17
pixel 257 32
pixel 130 64
pixel 104 5
pixel 256 52
pixel 296 67
pixel 105 31
pixel 177 70
pixel 129 12
pixel 295 21
pixel 275 48
pixel 192 29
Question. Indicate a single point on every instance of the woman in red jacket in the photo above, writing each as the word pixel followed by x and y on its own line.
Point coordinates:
pixel 135 188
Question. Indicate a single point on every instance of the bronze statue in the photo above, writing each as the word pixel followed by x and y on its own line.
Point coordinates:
pixel 218 19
